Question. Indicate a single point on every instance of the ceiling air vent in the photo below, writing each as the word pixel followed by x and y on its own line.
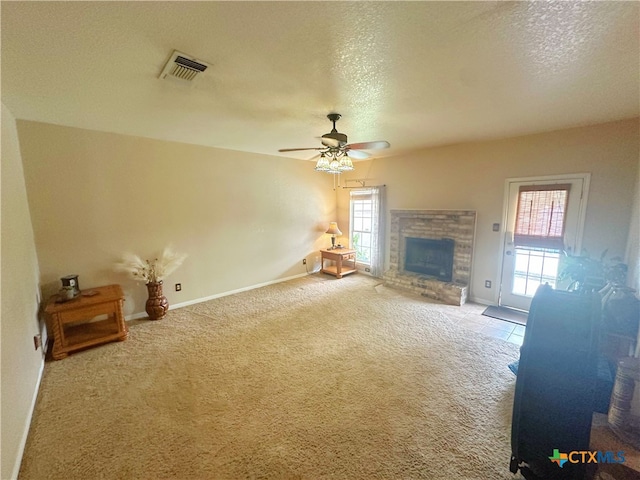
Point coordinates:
pixel 183 67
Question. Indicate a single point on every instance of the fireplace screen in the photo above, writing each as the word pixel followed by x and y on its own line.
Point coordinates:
pixel 430 257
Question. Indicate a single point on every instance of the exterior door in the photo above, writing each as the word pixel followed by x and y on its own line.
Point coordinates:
pixel 525 267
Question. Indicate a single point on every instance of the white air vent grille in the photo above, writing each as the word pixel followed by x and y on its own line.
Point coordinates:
pixel 183 67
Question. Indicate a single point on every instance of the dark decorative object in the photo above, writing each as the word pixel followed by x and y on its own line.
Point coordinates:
pixel 555 384
pixel 157 304
pixel 71 281
pixel 620 310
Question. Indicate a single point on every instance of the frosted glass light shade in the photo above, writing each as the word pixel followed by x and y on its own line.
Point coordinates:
pixel 322 164
pixel 334 166
pixel 346 165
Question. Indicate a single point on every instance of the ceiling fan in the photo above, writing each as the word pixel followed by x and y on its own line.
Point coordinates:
pixel 335 151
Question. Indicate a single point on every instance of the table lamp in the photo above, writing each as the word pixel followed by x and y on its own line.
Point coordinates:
pixel 333 231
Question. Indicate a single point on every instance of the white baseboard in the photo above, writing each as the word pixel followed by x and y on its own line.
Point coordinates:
pixel 45 342
pixel 136 316
pixel 27 425
pixel 481 301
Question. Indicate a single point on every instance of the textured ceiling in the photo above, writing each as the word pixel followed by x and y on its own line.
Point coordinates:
pixel 414 73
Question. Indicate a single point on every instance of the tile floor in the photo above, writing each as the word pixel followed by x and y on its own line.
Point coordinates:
pixel 470 316
pixel 493 327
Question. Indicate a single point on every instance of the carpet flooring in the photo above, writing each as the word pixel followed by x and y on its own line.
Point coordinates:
pixel 313 378
pixel 507 314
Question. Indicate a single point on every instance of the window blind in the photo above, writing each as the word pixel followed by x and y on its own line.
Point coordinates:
pixel 540 217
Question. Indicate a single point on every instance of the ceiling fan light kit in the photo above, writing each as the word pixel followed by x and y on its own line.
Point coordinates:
pixel 335 164
pixel 334 154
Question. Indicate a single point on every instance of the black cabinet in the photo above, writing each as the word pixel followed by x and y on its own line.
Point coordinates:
pixel 554 394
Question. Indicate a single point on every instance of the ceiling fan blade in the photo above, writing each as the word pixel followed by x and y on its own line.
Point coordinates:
pixel 369 145
pixel 358 154
pixel 297 149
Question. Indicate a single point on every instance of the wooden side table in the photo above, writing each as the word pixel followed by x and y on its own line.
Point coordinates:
pixel 74 324
pixel 344 258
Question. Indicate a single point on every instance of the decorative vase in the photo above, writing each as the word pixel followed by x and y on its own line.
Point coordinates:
pixel 620 310
pixel 624 413
pixel 157 304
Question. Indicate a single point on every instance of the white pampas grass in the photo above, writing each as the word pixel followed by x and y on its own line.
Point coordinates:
pixel 150 271
pixel 168 263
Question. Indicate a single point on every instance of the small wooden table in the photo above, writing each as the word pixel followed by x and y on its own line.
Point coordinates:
pixel 74 324
pixel 344 258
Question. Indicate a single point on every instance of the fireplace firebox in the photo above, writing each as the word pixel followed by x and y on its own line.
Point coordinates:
pixel 430 257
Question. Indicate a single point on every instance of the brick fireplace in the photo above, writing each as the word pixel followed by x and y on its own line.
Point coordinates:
pixel 432 230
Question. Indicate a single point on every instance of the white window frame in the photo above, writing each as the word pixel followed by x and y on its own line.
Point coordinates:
pixel 360 196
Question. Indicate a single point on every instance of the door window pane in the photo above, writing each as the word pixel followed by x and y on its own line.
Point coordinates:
pixel 550 268
pixel 519 285
pixel 534 267
pixel 535 263
pixel 522 263
pixel 532 286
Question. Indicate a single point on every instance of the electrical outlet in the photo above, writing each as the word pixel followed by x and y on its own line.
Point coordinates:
pixel 178 287
pixel 37 341
pixel 304 261
pixel 487 283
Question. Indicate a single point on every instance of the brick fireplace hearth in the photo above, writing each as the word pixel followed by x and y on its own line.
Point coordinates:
pixel 457 225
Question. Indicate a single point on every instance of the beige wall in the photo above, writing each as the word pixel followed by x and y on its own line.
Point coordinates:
pixel 472 177
pixel 21 363
pixel 243 219
pixel 246 219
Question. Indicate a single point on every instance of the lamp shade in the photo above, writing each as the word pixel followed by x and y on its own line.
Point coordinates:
pixel 346 165
pixel 334 166
pixel 333 229
pixel 323 163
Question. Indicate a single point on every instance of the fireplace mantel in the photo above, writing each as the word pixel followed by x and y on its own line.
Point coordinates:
pixel 458 225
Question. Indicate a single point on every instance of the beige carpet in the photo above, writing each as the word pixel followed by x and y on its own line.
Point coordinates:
pixel 312 378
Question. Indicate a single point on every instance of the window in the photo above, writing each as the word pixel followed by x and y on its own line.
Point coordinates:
pixel 361 224
pixel 367 227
